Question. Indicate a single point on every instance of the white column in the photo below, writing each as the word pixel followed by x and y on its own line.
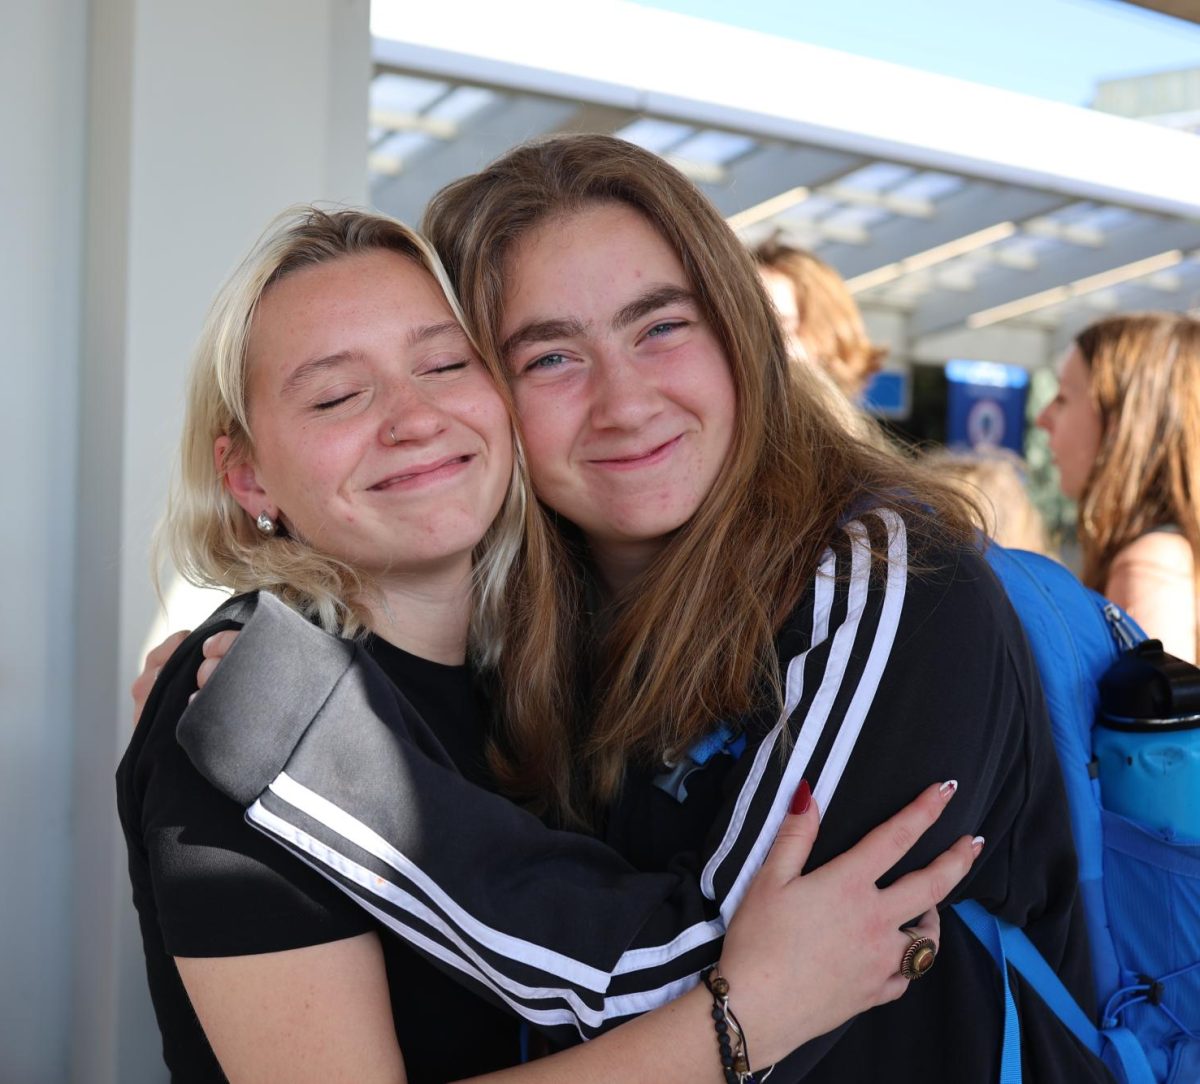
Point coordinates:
pixel 205 120
pixel 42 59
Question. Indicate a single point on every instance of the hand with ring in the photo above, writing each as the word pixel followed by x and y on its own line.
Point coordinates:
pixel 918 958
pixel 805 953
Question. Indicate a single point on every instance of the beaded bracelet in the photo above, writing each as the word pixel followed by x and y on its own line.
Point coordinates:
pixel 735 1061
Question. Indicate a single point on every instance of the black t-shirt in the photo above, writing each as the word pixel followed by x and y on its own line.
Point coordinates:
pixel 205 883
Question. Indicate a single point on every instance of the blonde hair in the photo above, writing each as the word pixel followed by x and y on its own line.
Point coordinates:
pixel 692 639
pixel 996 478
pixel 831 324
pixel 211 540
pixel 1145 383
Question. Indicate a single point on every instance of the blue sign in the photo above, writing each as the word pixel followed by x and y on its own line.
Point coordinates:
pixel 887 394
pixel 986 405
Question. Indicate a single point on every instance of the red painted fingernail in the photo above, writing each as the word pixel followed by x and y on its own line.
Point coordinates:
pixel 801 798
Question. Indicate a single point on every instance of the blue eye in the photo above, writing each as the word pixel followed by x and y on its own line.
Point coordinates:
pixel 658 331
pixel 546 361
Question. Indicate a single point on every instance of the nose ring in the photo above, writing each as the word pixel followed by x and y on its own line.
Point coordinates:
pixel 392 435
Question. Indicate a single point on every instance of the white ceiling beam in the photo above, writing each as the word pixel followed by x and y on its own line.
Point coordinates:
pixel 393 121
pixel 1084 289
pixel 773 168
pixel 932 257
pixel 974 208
pixel 1136 241
pixel 1070 232
pixel 904 206
pixel 1134 297
pixel 485 136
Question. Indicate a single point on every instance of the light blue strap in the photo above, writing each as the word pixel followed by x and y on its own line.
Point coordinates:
pixel 1024 956
pixel 1004 941
pixel 1130 1054
pixel 986 927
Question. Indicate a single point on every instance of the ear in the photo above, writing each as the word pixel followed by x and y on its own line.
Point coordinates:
pixel 241 479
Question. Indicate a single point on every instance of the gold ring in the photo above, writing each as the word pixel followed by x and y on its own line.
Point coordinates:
pixel 918 957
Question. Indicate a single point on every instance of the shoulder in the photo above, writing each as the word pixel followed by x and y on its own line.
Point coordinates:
pixel 904 608
pixel 935 582
pixel 214 884
pixel 152 746
pixel 878 565
pixel 1165 553
pixel 154 757
pixel 1153 578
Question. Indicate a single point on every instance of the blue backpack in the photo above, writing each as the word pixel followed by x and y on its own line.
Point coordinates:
pixel 1140 888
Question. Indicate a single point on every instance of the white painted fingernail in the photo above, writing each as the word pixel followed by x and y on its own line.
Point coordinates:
pixel 977 844
pixel 947 789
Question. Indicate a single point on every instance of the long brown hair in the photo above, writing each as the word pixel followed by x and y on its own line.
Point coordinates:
pixel 1145 382
pixel 691 640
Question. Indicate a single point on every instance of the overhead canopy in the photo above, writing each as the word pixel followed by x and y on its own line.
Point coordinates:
pixel 970 221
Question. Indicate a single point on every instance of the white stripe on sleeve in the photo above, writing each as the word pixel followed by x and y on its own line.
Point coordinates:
pixel 516 994
pixel 793 692
pixel 881 649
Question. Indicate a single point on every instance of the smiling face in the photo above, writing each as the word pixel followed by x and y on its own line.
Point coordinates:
pixel 1073 422
pixel 626 398
pixel 379 437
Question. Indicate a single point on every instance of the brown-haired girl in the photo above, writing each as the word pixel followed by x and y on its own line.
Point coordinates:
pixel 1125 433
pixel 732 595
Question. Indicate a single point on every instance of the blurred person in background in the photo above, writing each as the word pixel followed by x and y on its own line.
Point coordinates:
pixel 820 318
pixel 998 477
pixel 1125 434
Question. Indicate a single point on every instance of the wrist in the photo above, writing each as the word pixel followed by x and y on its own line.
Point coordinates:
pixel 733 1043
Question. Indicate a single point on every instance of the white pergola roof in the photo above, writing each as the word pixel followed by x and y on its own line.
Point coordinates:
pixel 970 221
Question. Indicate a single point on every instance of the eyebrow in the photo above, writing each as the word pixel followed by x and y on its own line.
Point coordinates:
pixel 421 335
pixel 655 298
pixel 540 331
pixel 417 337
pixel 310 369
pixel 537 331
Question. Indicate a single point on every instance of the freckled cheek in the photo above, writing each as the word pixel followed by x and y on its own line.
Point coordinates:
pixel 482 403
pixel 499 427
